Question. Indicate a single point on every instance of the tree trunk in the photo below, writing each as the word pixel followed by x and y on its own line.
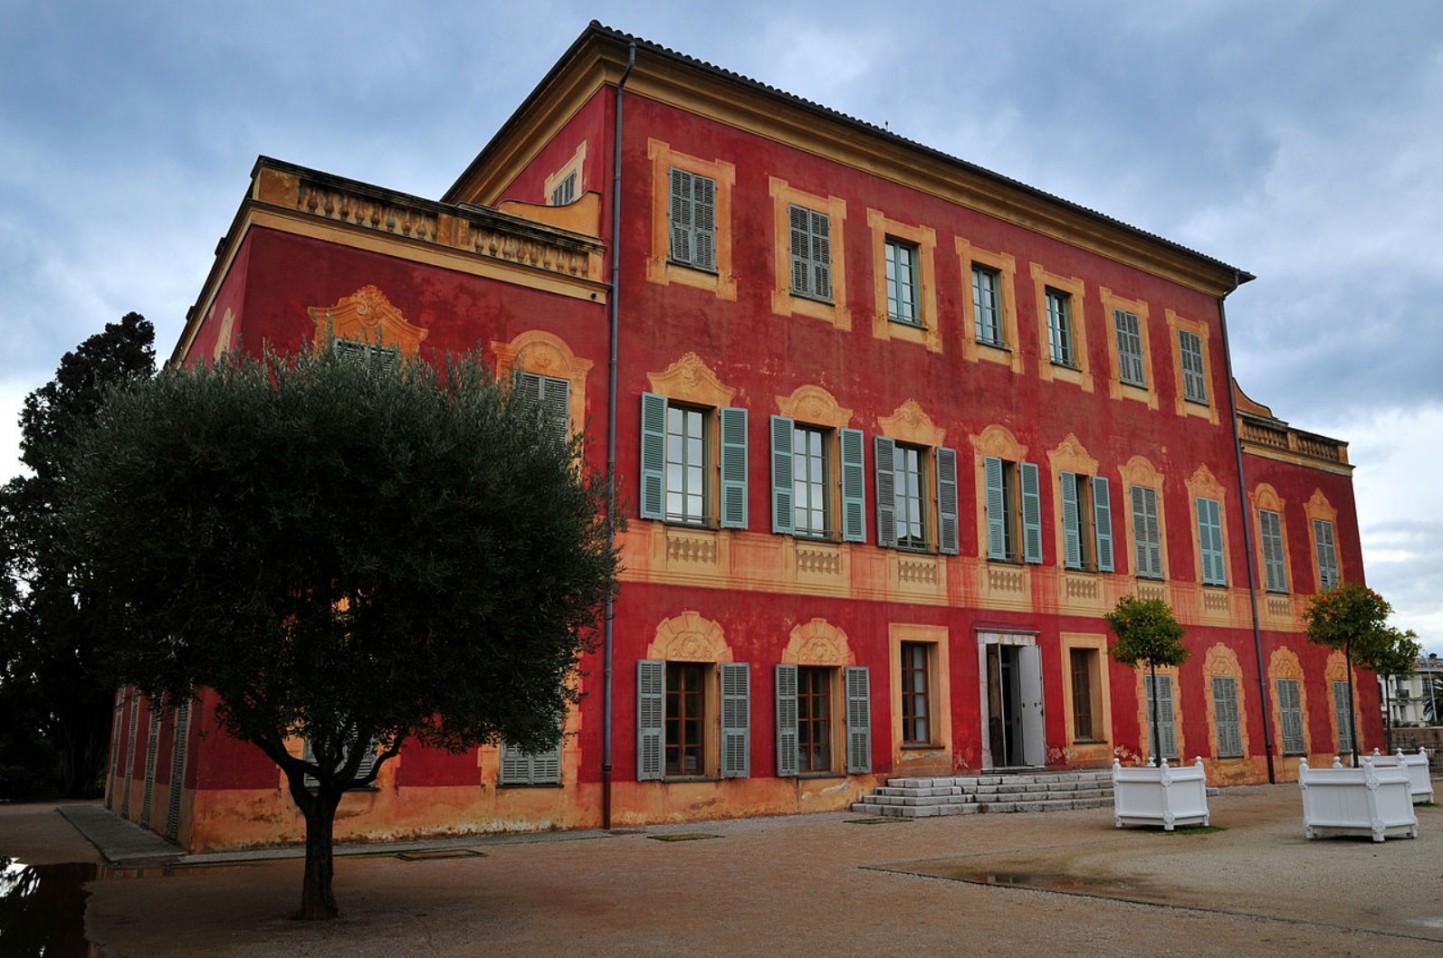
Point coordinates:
pixel 1156 725
pixel 318 898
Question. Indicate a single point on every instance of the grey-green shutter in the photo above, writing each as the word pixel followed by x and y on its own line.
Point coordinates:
pixel 1194 374
pixel 177 769
pixel 1327 553
pixel 1102 522
pixel 1225 714
pixel 650 718
pixel 704 220
pixel 800 249
pixel 1210 542
pixel 733 468
pixel 681 216
pixel 1071 527
pixel 520 767
pixel 1290 710
pixel 736 730
pixel 788 765
pixel 996 509
pixel 551 394
pixel 1031 513
pixel 783 518
pixel 1145 530
pixel 1274 560
pixel 152 742
pixel 1166 729
pixel 653 456
pixel 859 719
pixel 854 486
pixel 949 539
pixel 884 449
pixel 821 228
pixel 1343 716
pixel 1129 348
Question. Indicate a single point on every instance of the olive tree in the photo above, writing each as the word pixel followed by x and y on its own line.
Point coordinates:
pixel 1147 634
pixel 351 550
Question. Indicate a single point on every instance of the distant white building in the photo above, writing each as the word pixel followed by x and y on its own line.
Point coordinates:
pixel 1414 700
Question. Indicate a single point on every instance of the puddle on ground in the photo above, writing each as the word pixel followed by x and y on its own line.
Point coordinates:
pixel 1130 889
pixel 42 909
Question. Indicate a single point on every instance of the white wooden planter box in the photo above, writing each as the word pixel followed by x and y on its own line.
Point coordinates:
pixel 1420 780
pixel 1369 800
pixel 1160 795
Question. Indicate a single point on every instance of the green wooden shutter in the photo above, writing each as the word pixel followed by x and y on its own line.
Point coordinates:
pixel 1225 714
pixel 1210 542
pixel 1129 348
pixel 177 769
pixel 653 456
pixel 800 249
pixel 1102 522
pixel 788 765
pixel 821 254
pixel 548 393
pixel 151 745
pixel 1290 711
pixel 854 486
pixel 1343 717
pixel 681 216
pixel 736 729
pixel 949 539
pixel 1031 513
pixel 519 767
pixel 704 219
pixel 859 720
pixel 996 509
pixel 1166 726
pixel 1071 524
pixel 884 449
pixel 1327 553
pixel 1275 567
pixel 650 718
pixel 733 468
pixel 1145 529
pixel 783 519
pixel 1194 374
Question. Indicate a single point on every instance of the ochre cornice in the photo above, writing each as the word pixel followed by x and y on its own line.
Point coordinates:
pixel 600 58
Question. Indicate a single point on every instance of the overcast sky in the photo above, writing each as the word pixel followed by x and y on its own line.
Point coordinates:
pixel 1300 141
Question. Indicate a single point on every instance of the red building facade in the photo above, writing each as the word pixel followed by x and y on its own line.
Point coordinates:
pixel 892 433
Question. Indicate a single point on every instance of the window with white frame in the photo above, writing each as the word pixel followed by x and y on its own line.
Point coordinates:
pixel 1130 367
pixel 811 253
pixel 813 495
pixel 693 220
pixel 1275 566
pixel 1014 510
pixel 1194 372
pixel 1210 541
pixel 565 191
pixel 1086 522
pixel 678 448
pixel 905 501
pixel 987 305
pixel 1059 328
pixel 902 303
pixel 1146 533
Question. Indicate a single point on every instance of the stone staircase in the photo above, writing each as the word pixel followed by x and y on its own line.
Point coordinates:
pixel 1031 790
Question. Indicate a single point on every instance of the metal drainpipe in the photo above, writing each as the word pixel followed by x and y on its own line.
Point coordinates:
pixel 607 644
pixel 1248 540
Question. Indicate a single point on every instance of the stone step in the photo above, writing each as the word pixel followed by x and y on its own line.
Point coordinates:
pixel 916 797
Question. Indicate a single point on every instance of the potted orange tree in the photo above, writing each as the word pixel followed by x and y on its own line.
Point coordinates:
pixel 1148 635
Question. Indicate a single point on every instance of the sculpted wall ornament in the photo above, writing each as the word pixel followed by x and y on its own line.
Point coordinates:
pixel 910 423
pixel 813 404
pixel 1203 483
pixel 817 642
pixel 999 441
pixel 689 638
pixel 366 316
pixel 690 380
pixel 1071 456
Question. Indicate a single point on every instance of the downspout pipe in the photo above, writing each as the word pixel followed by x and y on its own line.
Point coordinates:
pixel 608 645
pixel 1248 551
